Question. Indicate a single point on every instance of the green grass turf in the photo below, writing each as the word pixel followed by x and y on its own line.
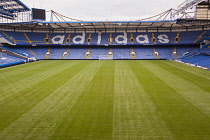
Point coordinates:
pixel 104 100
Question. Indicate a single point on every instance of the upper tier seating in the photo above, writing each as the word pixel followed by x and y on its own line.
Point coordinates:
pixel 140 38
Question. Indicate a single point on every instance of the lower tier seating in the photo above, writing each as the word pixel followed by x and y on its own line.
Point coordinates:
pixel 187 54
pixel 9 60
pixel 118 52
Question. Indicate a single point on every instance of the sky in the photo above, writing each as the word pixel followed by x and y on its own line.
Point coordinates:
pixel 105 9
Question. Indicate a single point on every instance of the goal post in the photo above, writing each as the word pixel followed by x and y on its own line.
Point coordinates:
pixel 105 57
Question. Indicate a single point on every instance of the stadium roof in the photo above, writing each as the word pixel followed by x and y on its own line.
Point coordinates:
pixel 113 24
pixel 187 5
pixel 8 7
pixel 13 6
pixel 109 24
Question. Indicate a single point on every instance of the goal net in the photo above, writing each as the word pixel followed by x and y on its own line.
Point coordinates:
pixel 105 57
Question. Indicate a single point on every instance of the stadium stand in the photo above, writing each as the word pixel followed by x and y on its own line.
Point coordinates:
pixel 6 60
pixel 123 52
pixel 56 52
pixel 96 52
pixel 165 53
pixel 198 60
pixel 40 52
pixel 144 53
pixel 160 38
pixel 34 45
pixel 205 49
pixel 199 57
pixel 77 53
pixel 151 38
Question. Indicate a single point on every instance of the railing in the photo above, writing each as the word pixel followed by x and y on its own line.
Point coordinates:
pixel 186 5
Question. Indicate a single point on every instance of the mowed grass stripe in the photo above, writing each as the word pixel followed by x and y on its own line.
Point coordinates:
pixel 106 100
pixel 24 100
pixel 19 69
pixel 201 78
pixel 23 82
pixel 183 119
pixel 196 95
pixel 27 79
pixel 13 74
pixel 8 76
pixel 92 116
pixel 199 73
pixel 135 115
pixel 42 120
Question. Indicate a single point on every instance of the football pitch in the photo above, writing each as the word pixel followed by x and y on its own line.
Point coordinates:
pixel 104 100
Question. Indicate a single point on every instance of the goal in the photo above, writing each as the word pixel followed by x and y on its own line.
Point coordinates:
pixel 105 57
